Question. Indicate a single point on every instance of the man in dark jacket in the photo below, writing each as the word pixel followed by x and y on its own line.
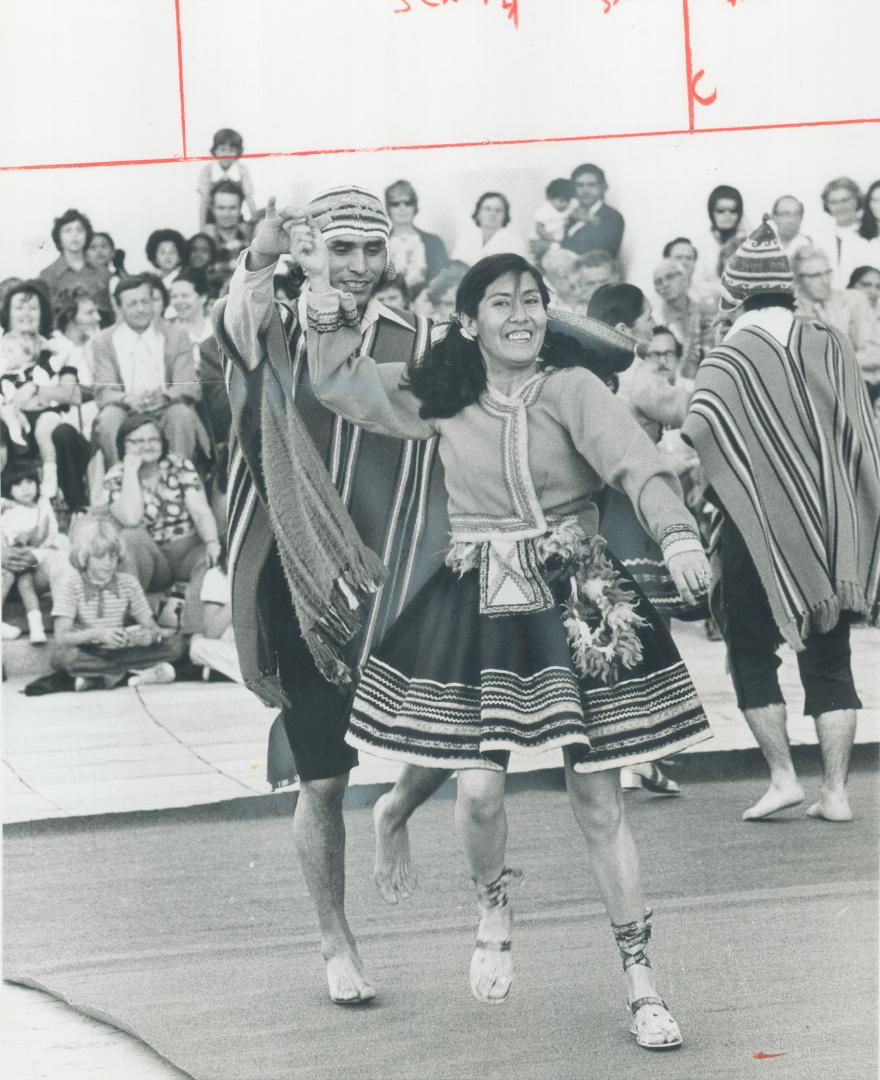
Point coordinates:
pixel 593 224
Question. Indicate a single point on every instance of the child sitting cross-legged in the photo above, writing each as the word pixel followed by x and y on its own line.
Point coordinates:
pixel 104 628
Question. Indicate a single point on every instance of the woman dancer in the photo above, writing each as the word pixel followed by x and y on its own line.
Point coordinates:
pixel 483 661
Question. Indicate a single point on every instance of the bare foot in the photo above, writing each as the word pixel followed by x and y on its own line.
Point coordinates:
pixel 393 872
pixel 492 960
pixel 774 799
pixel 832 806
pixel 345 978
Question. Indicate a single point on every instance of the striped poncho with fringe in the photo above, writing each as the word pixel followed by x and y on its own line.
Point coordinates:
pixel 786 437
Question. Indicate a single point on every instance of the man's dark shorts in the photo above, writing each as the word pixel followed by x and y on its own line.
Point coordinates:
pixel 752 638
pixel 317 721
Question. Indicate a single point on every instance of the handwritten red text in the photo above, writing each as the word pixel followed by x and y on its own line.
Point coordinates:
pixel 510 7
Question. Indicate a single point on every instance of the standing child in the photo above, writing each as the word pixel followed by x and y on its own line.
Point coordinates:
pixel 226 149
pixel 26 521
pixel 104 628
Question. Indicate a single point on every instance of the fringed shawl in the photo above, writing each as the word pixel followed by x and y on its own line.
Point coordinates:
pixel 785 436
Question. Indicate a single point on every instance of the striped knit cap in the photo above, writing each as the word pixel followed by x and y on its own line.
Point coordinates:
pixel 758 265
pixel 350 210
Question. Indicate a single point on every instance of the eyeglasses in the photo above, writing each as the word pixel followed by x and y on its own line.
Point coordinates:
pixel 154 441
pixel 401 202
pixel 669 354
pixel 818 274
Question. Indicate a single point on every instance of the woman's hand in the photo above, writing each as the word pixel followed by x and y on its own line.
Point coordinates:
pixel 690 572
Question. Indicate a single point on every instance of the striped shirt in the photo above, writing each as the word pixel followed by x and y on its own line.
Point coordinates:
pixel 100 607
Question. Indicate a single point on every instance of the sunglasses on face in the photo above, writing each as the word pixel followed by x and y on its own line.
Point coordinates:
pixel 401 202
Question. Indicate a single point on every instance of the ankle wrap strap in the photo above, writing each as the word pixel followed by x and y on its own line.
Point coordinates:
pixel 632 939
pixel 494 895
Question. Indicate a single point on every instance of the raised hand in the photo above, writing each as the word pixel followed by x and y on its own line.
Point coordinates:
pixel 307 247
pixel 270 239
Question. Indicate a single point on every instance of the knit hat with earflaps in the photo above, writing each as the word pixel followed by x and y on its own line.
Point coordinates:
pixel 759 265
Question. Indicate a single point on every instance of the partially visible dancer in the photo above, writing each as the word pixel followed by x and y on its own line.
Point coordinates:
pixel 797 555
pixel 843 202
pixel 455 680
pixel 592 223
pixel 72 234
pixel 788 216
pixel 726 211
pixel 491 232
pixel 226 149
pixel 93 606
pixel 417 255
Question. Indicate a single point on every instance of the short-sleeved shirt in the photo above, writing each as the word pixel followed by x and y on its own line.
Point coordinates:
pixel 100 607
pixel 166 516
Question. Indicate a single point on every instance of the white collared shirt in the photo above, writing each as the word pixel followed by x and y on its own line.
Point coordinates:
pixel 141 358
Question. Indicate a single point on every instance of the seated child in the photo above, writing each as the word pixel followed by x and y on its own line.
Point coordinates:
pixel 227 148
pixel 215 648
pixel 104 628
pixel 27 521
pixel 551 217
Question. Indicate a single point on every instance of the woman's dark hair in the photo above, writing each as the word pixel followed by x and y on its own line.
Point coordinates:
pixel 66 218
pixel 725 191
pixel 160 236
pixel 870 226
pixel 454 373
pixel 201 236
pixel 134 422
pixel 613 304
pixel 28 288
pixel 18 469
pixel 67 306
pixel 197 278
pixel 492 195
pixel 861 271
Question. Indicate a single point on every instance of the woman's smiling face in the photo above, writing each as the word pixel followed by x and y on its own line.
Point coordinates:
pixel 511 321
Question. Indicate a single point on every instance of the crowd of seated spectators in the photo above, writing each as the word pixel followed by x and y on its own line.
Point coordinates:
pixel 114 413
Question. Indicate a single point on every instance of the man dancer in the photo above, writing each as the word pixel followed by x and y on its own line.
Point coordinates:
pixel 781 422
pixel 395 496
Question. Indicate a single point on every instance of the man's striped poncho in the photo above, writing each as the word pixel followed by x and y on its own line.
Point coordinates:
pixel 787 441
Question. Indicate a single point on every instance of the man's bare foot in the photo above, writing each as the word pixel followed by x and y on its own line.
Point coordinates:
pixel 774 799
pixel 832 806
pixel 345 978
pixel 393 872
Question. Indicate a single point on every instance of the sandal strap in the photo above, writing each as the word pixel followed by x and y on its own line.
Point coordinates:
pixel 641 1002
pixel 632 939
pixel 494 895
pixel 494 946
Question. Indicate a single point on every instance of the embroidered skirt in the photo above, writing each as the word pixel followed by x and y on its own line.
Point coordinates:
pixel 449 687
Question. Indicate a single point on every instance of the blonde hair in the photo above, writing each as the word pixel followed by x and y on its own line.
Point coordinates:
pixel 94 536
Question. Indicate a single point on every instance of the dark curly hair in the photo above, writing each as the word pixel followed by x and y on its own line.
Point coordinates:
pixel 453 374
pixel 172 236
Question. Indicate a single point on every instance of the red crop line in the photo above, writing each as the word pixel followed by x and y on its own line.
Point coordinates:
pixel 178 160
pixel 688 62
pixel 785 127
pixel 180 76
